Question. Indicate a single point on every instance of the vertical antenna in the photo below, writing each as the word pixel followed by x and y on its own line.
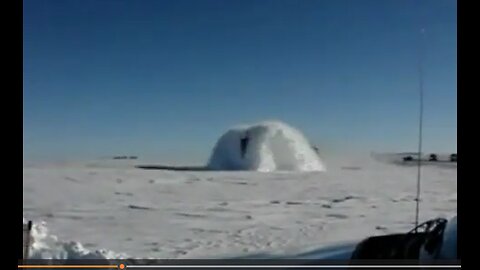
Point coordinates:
pixel 420 129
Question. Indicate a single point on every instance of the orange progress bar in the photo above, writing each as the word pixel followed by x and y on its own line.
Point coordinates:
pixel 121 266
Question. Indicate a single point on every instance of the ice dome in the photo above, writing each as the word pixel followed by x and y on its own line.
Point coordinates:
pixel 267 146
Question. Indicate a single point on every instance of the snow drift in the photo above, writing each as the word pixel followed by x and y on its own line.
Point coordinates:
pixel 47 246
pixel 272 146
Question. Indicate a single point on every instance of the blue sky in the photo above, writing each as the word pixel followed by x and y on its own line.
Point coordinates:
pixel 165 79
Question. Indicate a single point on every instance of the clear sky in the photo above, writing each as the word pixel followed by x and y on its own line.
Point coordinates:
pixel 165 79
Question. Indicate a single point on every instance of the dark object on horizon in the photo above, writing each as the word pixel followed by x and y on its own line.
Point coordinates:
pixel 315 148
pixel 173 168
pixel 453 157
pixel 125 157
pixel 244 144
pixel 408 158
pixel 433 157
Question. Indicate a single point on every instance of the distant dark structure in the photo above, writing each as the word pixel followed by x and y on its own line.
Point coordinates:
pixel 173 168
pixel 125 157
pixel 453 157
pixel 244 144
pixel 408 158
pixel 315 148
pixel 433 157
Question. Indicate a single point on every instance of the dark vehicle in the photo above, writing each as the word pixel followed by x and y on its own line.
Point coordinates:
pixel 433 157
pixel 433 240
pixel 453 157
pixel 408 158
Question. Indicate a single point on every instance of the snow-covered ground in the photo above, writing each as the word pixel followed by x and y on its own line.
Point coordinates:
pixel 165 214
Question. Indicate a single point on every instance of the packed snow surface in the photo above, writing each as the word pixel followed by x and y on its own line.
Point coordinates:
pixel 272 146
pixel 96 210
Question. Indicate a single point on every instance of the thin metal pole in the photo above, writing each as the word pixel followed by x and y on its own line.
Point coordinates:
pixel 420 130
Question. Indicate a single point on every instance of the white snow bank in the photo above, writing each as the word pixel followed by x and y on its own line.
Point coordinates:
pixel 272 146
pixel 46 246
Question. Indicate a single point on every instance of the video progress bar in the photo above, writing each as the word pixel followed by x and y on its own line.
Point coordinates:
pixel 123 266
pixel 297 266
pixel 120 266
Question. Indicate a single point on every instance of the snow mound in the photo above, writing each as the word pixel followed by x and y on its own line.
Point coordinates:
pixel 47 246
pixel 272 146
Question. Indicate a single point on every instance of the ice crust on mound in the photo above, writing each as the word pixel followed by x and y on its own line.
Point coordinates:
pixel 273 146
pixel 47 246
